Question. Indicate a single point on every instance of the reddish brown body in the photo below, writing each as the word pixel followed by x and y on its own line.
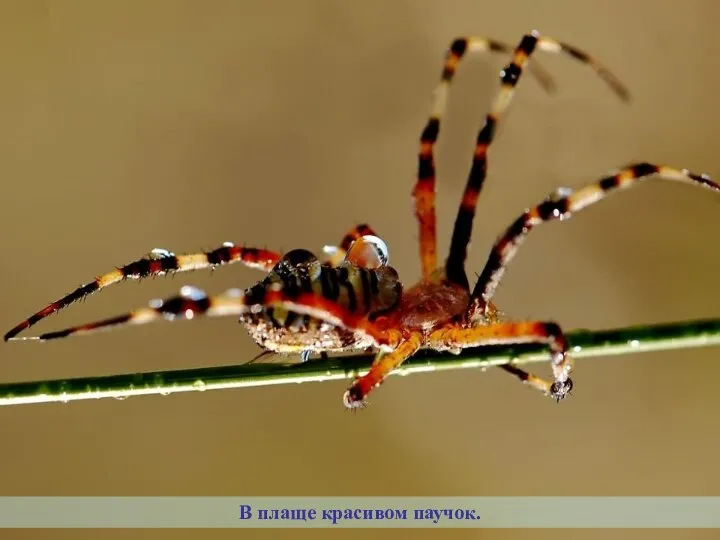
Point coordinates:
pixel 427 306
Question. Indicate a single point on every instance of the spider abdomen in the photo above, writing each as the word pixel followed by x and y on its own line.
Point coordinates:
pixel 361 291
pixel 288 332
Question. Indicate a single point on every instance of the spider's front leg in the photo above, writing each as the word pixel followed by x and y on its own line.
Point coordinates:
pixel 424 190
pixel 158 262
pixel 560 206
pixel 509 79
pixel 457 337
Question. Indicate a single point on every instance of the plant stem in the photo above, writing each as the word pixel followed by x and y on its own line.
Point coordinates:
pixel 583 343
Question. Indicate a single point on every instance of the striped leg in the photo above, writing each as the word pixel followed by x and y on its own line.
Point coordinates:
pixel 192 302
pixel 509 77
pixel 531 379
pixel 424 191
pixel 384 364
pixel 457 338
pixel 159 262
pixel 560 207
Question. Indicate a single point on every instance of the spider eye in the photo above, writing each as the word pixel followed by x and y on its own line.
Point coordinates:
pixel 369 252
pixel 296 257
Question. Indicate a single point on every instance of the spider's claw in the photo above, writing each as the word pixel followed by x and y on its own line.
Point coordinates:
pixel 560 389
pixel 353 399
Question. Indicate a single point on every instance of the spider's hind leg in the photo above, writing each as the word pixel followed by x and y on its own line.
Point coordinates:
pixel 158 262
pixel 192 303
pixel 189 304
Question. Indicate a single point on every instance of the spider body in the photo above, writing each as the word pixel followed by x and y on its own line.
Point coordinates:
pixel 366 292
pixel 354 300
pixel 429 305
pixel 283 331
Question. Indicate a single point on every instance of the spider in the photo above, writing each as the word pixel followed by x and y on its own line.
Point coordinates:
pixel 354 299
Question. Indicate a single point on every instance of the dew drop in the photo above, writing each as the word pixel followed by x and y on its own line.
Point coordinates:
pixel 160 253
pixel 192 293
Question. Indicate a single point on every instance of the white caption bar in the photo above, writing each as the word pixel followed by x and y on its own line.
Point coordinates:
pixel 360 512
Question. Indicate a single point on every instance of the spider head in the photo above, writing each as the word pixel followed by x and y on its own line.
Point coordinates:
pixel 560 389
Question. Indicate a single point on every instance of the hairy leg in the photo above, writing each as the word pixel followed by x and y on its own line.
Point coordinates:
pixel 424 190
pixel 560 207
pixel 384 364
pixel 159 262
pixel 509 78
pixel 193 302
pixel 455 338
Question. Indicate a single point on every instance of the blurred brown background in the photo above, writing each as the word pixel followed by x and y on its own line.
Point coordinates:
pixel 133 125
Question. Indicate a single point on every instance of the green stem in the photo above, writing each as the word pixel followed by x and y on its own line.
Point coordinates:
pixel 680 335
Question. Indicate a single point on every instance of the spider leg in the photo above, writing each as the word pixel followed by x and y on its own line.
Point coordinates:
pixel 159 262
pixel 560 207
pixel 382 366
pixel 424 190
pixel 528 378
pixel 454 338
pixel 192 302
pixel 509 77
